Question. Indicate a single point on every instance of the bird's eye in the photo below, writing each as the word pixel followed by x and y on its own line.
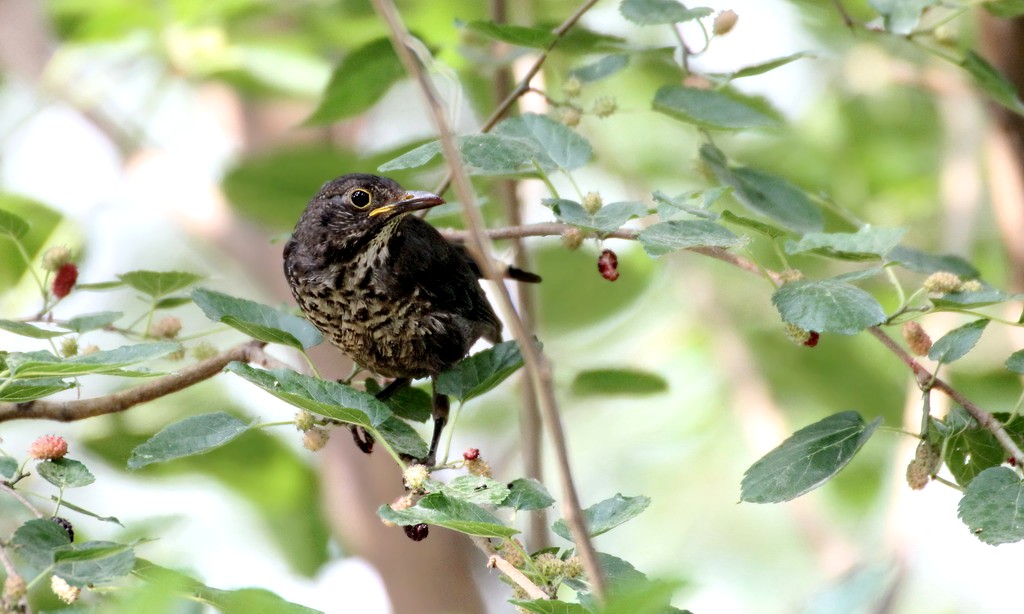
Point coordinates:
pixel 360 199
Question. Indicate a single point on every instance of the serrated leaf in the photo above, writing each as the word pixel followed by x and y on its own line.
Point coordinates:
pixel 923 262
pixel 482 153
pixel 46 365
pixel 93 562
pixel 444 511
pixel 549 606
pixel 92 321
pixel 1005 9
pixel 8 466
pixel 992 82
pixel 256 320
pixel 411 404
pixel 605 382
pixel 27 330
pixel 827 306
pixel 476 374
pixel 605 67
pixel 866 241
pixel 956 343
pixel 560 145
pixel 188 437
pixel 158 284
pixel 402 438
pixel 522 36
pixel 36 540
pixel 327 398
pixel 608 218
pixel 12 226
pixel 476 489
pixel 65 473
pixel 358 82
pixel 970 449
pixel 993 506
pixel 606 515
pixel 1015 362
pixel 764 193
pixel 667 237
pixel 650 597
pixel 807 459
pixel 654 12
pixel 19 391
pixel 527 494
pixel 722 109
pixel 981 298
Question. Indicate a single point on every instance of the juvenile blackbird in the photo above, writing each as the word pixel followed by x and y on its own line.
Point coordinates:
pixel 385 287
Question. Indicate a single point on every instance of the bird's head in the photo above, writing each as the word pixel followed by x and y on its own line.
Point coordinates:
pixel 361 204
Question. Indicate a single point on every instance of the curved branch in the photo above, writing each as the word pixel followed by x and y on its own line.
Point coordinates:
pixel 69 411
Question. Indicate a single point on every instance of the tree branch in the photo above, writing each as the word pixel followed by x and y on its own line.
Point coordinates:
pixel 511 572
pixel 69 411
pixel 536 364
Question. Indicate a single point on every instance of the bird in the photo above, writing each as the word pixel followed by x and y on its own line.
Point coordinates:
pixel 387 288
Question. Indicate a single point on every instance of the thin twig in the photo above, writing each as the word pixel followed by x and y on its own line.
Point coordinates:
pixel 479 243
pixel 524 84
pixel 69 411
pixel 927 378
pixel 17 495
pixel 514 574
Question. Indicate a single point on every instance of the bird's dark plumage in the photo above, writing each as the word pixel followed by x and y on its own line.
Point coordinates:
pixel 385 286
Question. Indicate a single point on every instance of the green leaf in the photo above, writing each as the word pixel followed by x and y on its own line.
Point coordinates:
pixel 764 193
pixel 605 67
pixel 970 449
pixel 827 306
pixel 772 232
pixel 526 494
pixel 654 12
pixel 65 473
pixel 483 153
pixel 193 435
pixel 256 320
pixel 476 374
pixel 8 466
pixel 560 145
pixel 992 82
pixel 807 459
pixel 19 391
pixel 604 382
pixel 901 16
pixel 81 510
pixel 409 403
pixel 44 364
pixel 667 237
pixel 36 540
pixel 957 342
pixel 608 218
pixel 92 321
pixel 444 511
pixel 923 262
pixel 549 606
pixel 722 109
pixel 358 82
pixel 696 202
pixel 171 302
pixel 1015 362
pixel 27 330
pixel 402 438
pixel 476 489
pixel 993 506
pixel 93 562
pixel 100 285
pixel 987 296
pixel 12 226
pixel 606 515
pixel 158 284
pixel 522 36
pixel 323 397
pixel 867 241
pixel 651 597
pixel 763 67
pixel 1006 9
